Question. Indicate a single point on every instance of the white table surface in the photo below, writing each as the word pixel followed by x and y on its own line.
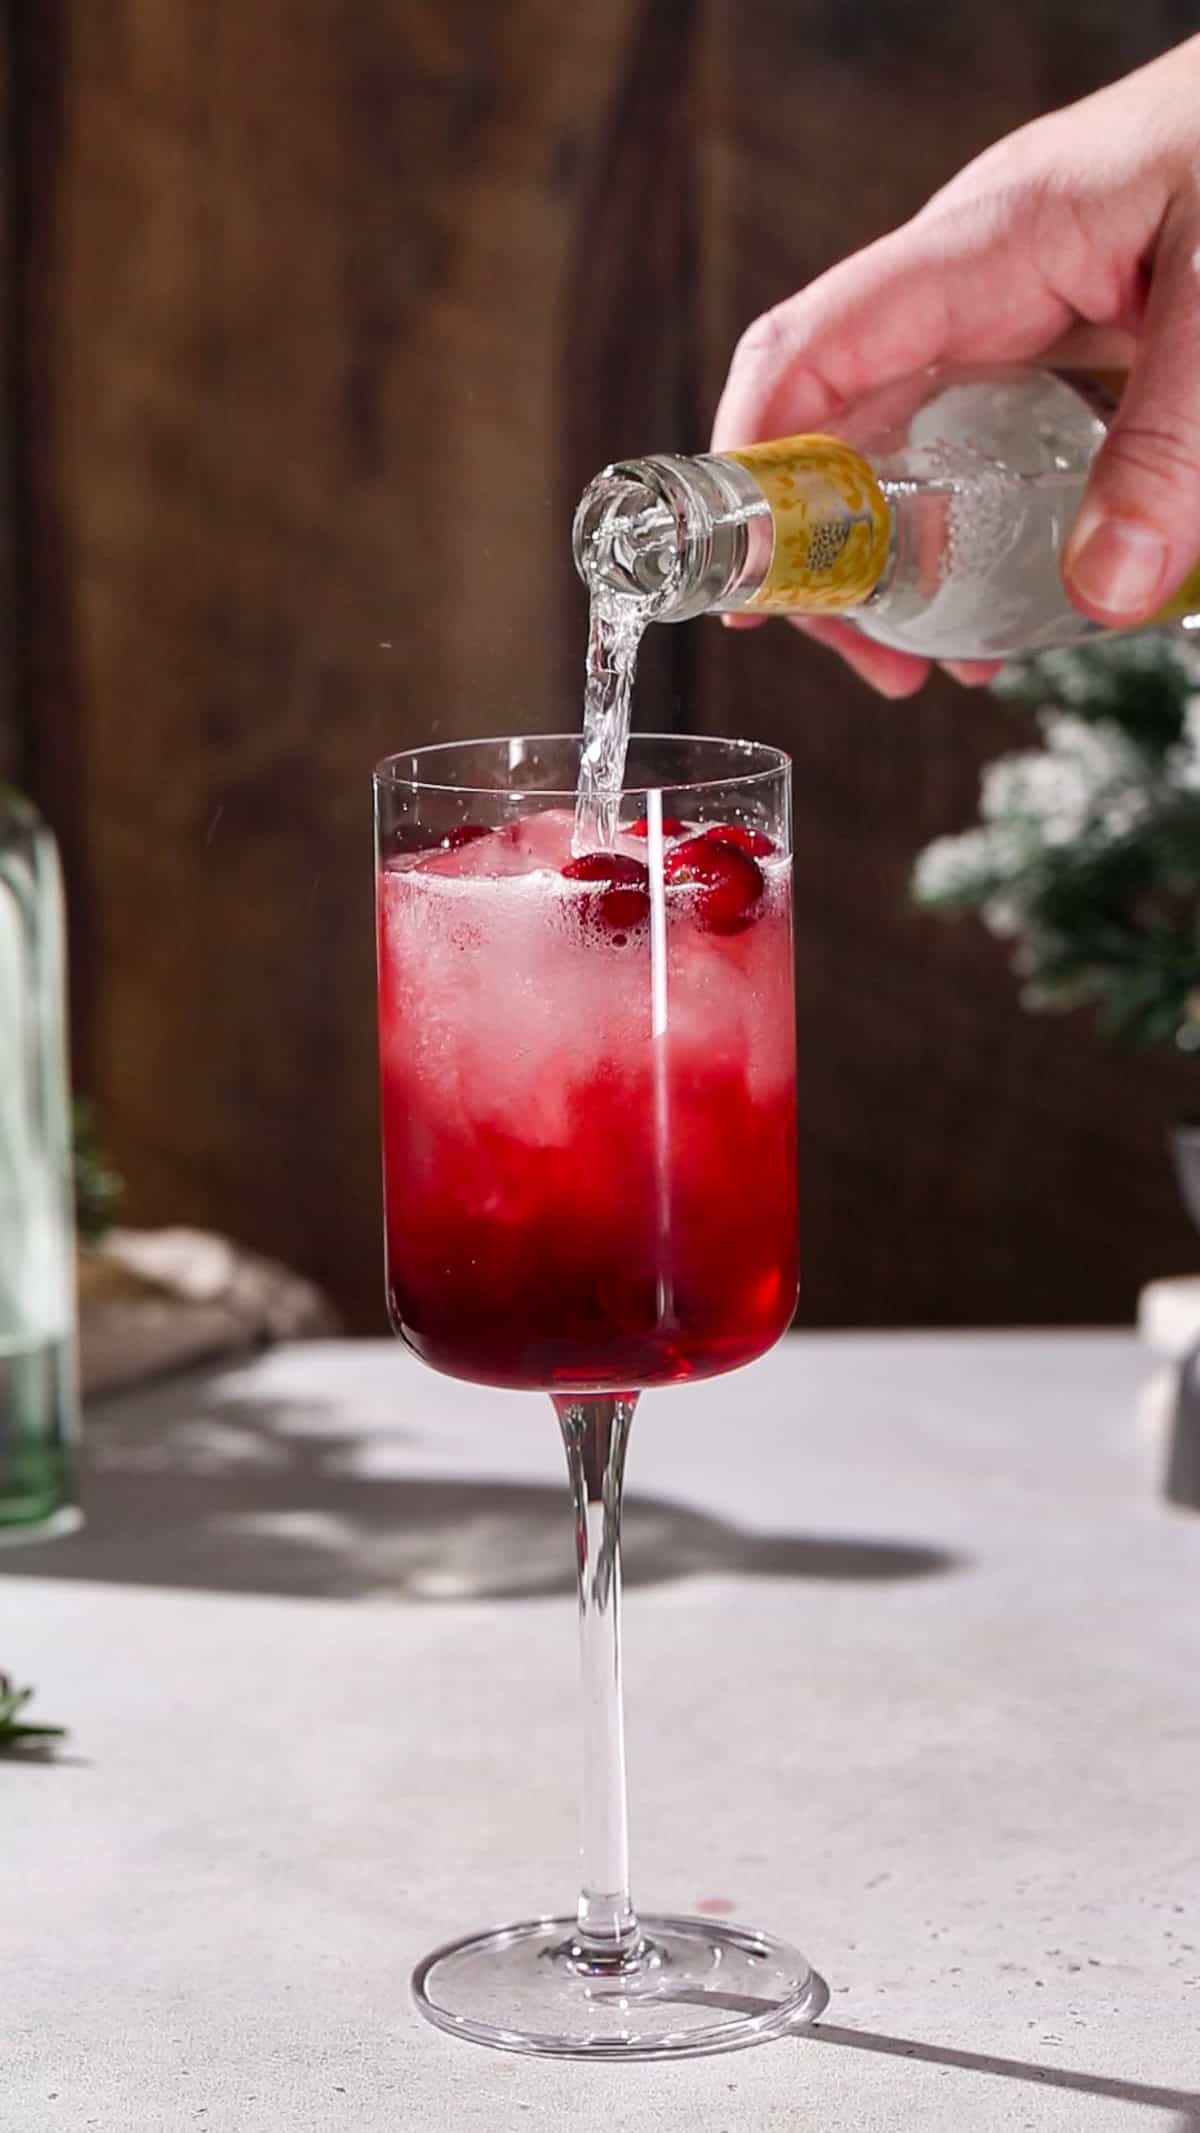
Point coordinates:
pixel 913 1661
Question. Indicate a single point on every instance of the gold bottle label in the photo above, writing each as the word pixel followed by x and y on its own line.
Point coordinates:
pixel 832 524
pixel 1185 602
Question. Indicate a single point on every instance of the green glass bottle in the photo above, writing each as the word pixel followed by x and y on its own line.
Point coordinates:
pixel 39 1410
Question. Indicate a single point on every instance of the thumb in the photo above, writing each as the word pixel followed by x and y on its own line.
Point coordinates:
pixel 1137 535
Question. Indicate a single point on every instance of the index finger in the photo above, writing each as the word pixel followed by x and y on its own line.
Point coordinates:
pixel 958 285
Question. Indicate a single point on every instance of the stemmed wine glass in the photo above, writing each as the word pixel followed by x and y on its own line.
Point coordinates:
pixel 588 1099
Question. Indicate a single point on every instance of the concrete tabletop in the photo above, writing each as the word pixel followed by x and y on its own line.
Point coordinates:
pixel 913 1669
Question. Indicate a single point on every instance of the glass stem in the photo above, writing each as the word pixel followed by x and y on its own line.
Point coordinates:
pixel 596 1432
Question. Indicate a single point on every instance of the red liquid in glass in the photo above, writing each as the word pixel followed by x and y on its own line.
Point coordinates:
pixel 588 1134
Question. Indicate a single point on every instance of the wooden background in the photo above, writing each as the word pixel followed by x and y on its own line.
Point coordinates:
pixel 320 314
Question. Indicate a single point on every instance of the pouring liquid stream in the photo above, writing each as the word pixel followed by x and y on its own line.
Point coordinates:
pixel 616 625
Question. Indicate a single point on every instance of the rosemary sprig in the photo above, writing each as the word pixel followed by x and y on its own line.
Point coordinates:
pixel 16 1733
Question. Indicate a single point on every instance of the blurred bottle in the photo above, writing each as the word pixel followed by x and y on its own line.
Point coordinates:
pixel 934 519
pixel 38 1379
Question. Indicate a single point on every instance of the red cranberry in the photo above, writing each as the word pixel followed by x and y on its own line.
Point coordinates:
pixel 755 842
pixel 671 826
pixel 622 898
pixel 462 833
pixel 727 881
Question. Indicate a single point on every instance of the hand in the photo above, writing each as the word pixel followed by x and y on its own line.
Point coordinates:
pixel 1090 216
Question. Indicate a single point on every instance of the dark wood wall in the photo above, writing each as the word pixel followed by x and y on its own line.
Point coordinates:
pixel 321 313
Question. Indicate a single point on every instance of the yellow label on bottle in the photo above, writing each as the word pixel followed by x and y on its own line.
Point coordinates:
pixel 1185 602
pixel 832 524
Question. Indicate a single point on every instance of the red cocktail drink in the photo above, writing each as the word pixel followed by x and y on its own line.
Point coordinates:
pixel 588 1080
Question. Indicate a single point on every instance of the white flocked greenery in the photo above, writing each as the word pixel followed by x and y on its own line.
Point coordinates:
pixel 1087 852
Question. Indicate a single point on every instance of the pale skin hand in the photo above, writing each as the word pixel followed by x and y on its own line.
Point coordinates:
pixel 1079 233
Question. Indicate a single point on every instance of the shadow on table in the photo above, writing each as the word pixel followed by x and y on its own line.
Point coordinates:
pixel 1109 2086
pixel 240 1496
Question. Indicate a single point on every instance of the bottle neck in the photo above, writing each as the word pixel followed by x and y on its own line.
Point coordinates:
pixel 678 536
pixel 799 524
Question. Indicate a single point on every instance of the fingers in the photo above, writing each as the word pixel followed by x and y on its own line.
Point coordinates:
pixel 892 673
pixel 1138 532
pixel 1049 227
pixel 958 285
pixel 973 673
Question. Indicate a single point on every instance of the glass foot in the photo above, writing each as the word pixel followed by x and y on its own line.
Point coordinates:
pixel 695 1986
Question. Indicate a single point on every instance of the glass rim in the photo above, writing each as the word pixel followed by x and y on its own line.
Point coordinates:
pixel 769 763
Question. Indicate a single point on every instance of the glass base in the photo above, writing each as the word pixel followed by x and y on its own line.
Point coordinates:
pixel 695 1986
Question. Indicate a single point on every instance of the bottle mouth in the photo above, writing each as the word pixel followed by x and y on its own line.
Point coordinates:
pixel 642 534
pixel 626 541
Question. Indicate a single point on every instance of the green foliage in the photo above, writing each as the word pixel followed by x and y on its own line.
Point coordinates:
pixel 16 1733
pixel 1087 855
pixel 98 1189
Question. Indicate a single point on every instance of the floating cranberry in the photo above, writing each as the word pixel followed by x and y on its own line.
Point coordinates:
pixel 462 833
pixel 622 896
pixel 754 842
pixel 671 826
pixel 727 881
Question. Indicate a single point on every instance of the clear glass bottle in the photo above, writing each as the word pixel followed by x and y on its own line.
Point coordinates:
pixel 38 1380
pixel 934 519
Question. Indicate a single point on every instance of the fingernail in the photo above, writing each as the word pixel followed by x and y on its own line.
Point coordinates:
pixel 1117 564
pixel 897 688
pixel 970 673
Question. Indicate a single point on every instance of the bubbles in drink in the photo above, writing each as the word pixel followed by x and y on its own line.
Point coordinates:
pixel 580 1190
